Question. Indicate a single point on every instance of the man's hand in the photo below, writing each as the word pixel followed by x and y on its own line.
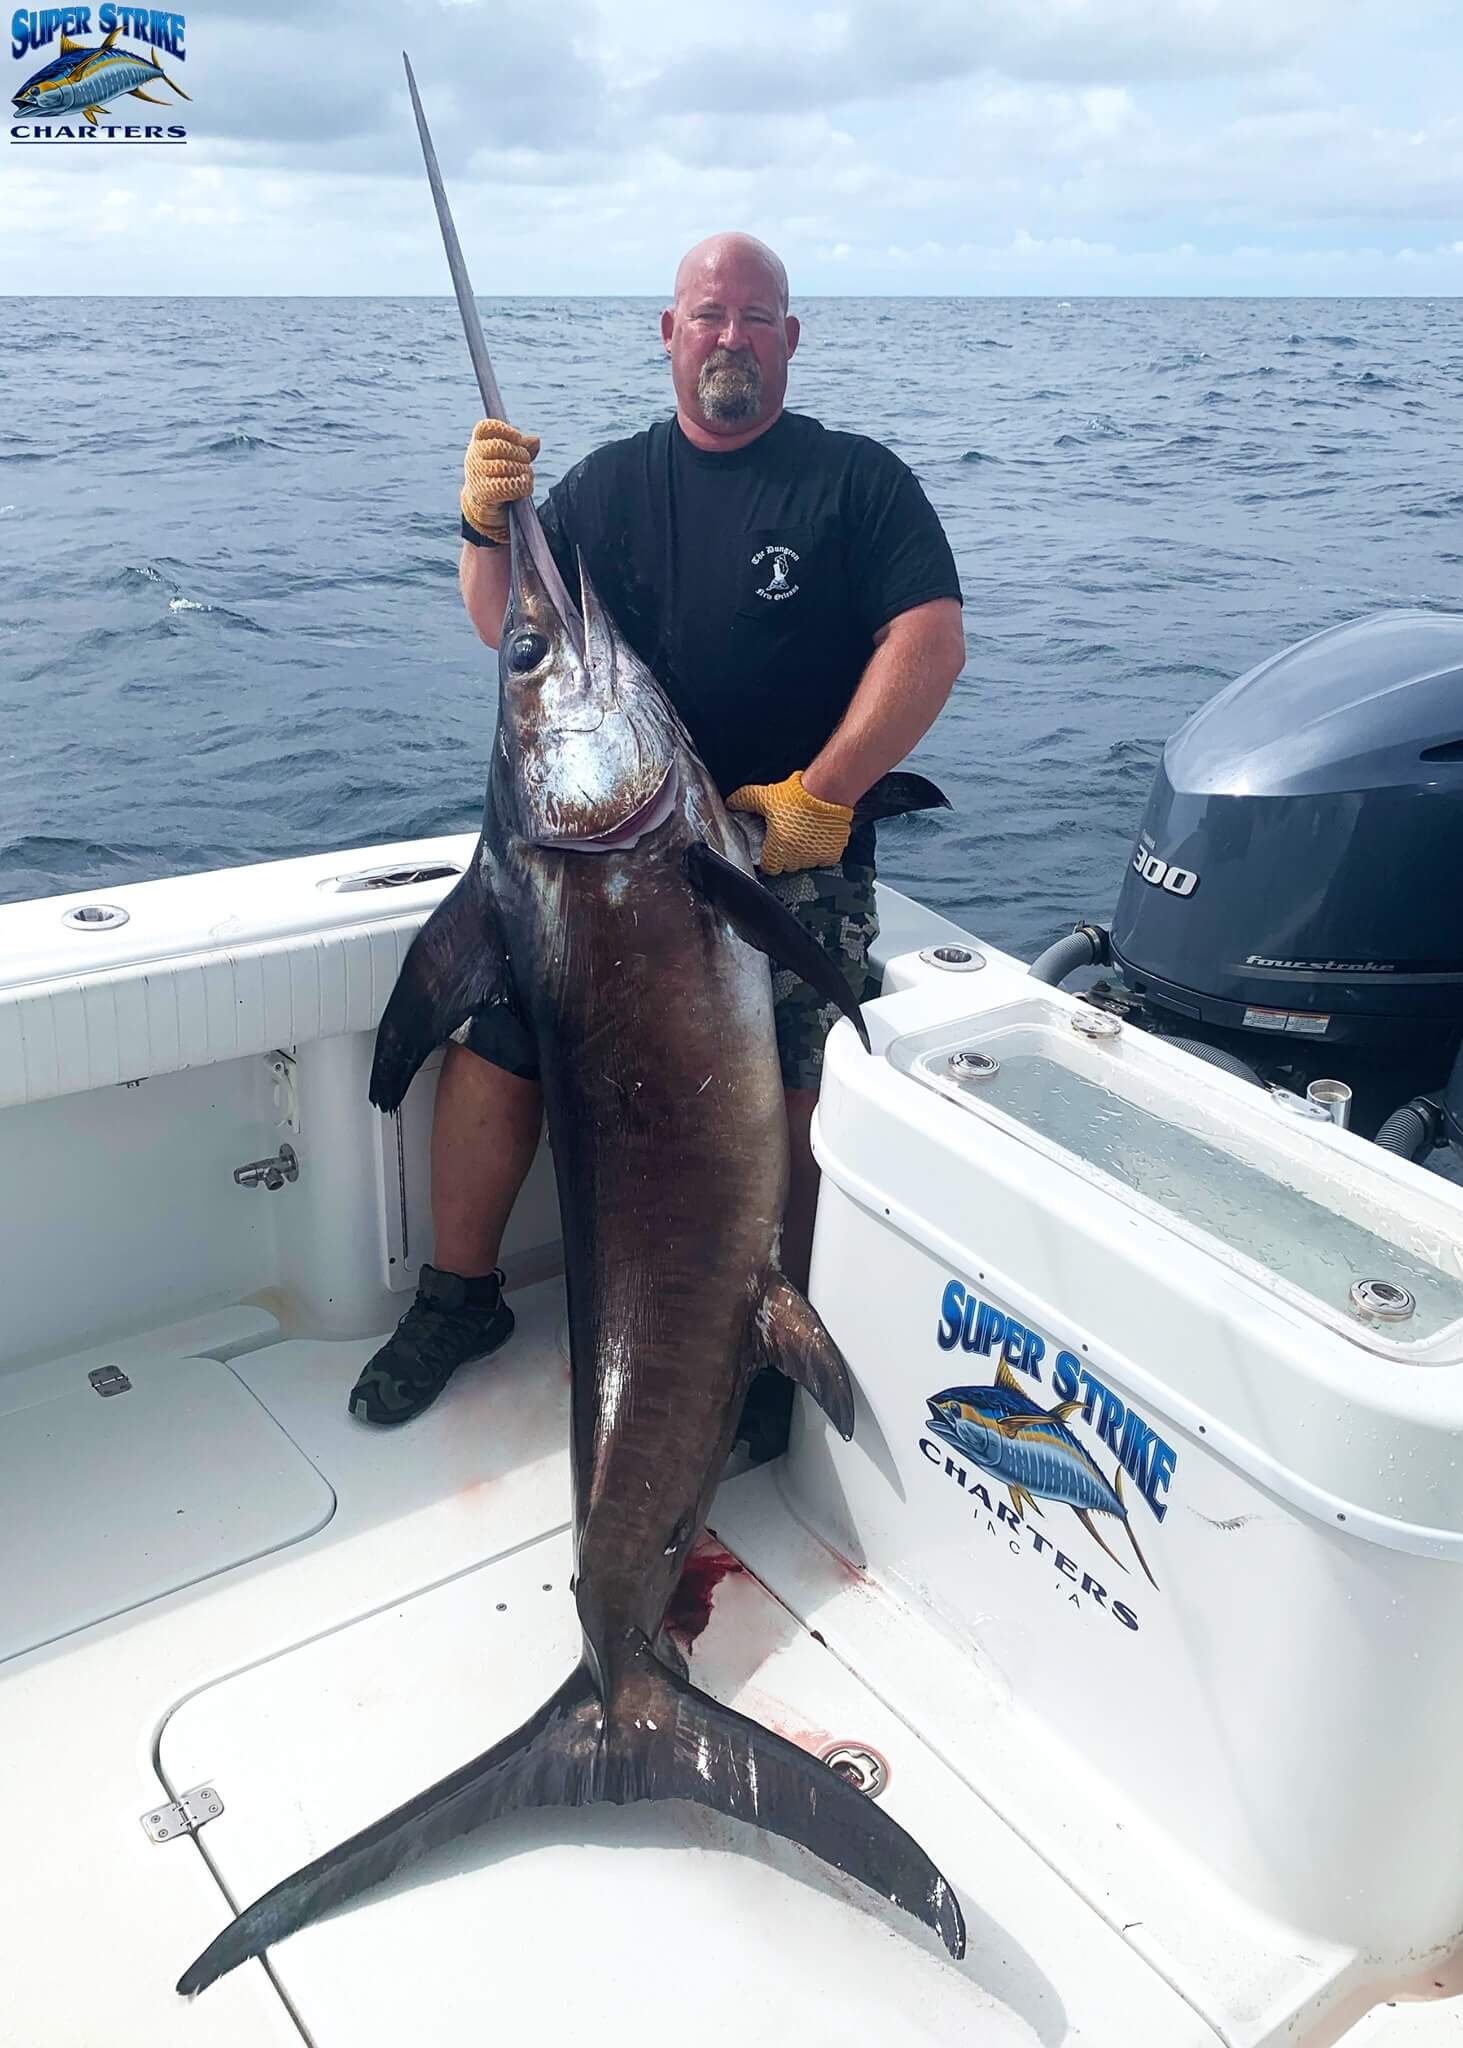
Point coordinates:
pixel 802 830
pixel 497 470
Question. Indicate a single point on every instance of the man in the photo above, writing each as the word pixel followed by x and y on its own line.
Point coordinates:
pixel 792 591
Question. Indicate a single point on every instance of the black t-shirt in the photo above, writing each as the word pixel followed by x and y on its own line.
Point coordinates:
pixel 751 584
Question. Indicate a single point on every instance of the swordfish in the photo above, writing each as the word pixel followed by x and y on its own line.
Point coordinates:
pixel 611 891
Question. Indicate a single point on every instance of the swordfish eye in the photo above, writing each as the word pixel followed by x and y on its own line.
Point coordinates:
pixel 525 651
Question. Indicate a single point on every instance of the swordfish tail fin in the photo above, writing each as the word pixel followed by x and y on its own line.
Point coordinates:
pixel 705 1752
pixel 551 1760
pixel 660 1739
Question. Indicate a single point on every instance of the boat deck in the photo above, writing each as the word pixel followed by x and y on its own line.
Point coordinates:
pixel 384 1642
pixel 424 1614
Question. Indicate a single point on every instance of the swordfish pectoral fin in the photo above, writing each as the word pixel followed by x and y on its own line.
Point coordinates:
pixel 552 1760
pixel 456 963
pixel 792 1336
pixel 757 917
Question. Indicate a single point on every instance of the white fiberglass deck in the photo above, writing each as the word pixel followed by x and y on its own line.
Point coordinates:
pixel 316 1693
pixel 1229 1824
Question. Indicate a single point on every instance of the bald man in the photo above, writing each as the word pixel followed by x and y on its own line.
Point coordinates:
pixel 793 593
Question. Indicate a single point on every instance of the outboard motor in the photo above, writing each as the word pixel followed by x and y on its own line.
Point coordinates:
pixel 1296 894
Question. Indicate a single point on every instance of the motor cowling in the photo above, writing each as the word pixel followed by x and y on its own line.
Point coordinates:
pixel 1298 873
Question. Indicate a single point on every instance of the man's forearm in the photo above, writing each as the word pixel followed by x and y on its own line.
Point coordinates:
pixel 482 577
pixel 900 694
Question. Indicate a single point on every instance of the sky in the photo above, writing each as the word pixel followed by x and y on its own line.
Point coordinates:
pixel 891 146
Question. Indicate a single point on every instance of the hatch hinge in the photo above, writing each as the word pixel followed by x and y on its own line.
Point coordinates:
pixel 184 1816
pixel 108 1380
pixel 285 1077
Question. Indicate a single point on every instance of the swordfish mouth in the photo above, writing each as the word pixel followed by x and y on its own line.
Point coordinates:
pixel 646 818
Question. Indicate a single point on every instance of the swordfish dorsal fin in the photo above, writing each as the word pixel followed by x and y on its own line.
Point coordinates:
pixel 894 795
pixel 759 918
pixel 69 43
pixel 791 1335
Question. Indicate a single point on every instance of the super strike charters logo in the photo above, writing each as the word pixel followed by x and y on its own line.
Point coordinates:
pixel 1009 1443
pixel 70 97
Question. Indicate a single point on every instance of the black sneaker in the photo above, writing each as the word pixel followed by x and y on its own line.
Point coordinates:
pixel 451 1321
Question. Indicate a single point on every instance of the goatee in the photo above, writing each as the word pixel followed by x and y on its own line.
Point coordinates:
pixel 729 387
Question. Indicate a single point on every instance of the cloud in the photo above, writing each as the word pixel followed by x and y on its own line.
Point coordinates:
pixel 1062 145
pixel 871 47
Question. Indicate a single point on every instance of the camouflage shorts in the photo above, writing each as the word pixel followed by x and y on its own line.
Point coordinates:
pixel 835 904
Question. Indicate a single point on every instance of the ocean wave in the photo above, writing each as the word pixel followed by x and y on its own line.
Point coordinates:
pixel 235 442
pixel 1184 550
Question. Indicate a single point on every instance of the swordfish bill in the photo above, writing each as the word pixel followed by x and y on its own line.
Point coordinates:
pixel 610 875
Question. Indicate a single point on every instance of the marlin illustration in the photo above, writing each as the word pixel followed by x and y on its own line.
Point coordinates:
pixel 87 78
pixel 1032 1452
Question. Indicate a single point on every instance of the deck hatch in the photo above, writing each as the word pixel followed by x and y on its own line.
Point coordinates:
pixel 175 1474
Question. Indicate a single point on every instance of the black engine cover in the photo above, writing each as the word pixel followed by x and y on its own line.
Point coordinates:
pixel 1299 871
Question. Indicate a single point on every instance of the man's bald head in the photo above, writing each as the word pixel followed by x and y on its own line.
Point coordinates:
pixel 731 252
pixel 729 336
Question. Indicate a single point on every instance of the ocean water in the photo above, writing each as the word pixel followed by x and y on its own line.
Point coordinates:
pixel 230 629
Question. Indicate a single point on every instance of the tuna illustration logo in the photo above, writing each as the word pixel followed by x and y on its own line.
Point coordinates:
pixel 1031 1451
pixel 82 80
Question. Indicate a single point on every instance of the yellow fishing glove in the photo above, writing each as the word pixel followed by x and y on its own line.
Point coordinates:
pixel 497 470
pixel 802 830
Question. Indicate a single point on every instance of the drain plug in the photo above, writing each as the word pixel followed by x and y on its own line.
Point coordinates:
pixel 861 1767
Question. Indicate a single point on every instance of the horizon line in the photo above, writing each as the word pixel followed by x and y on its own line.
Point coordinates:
pixel 974 297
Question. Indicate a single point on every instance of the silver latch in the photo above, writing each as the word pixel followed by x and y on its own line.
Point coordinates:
pixel 973 1066
pixel 1383 1301
pixel 954 959
pixel 110 1379
pixel 269 1173
pixel 184 1816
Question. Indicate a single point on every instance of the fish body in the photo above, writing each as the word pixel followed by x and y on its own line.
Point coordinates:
pixel 1042 1456
pixel 1030 1450
pixel 610 875
pixel 85 79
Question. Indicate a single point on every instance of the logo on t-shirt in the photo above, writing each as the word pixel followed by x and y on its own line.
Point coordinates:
pixel 778 584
